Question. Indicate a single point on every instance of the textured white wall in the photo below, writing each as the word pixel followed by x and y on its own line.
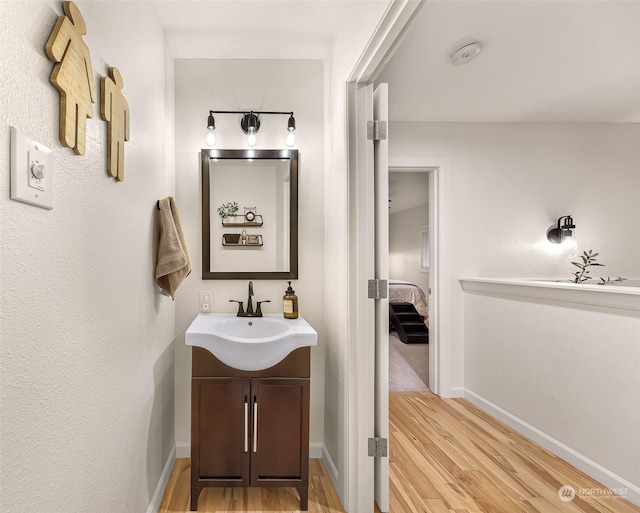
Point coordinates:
pixel 86 352
pixel 570 370
pixel 540 361
pixel 346 50
pixel 297 85
pixel 510 182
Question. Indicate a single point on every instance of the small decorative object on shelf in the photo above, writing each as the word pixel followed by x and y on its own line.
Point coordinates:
pixel 228 209
pixel 609 280
pixel 250 214
pixel 229 239
pixel 589 260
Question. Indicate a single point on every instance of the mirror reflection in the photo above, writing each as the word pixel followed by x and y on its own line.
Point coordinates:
pixel 249 214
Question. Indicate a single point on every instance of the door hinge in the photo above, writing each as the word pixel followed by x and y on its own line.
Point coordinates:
pixel 376 130
pixel 377 289
pixel 378 447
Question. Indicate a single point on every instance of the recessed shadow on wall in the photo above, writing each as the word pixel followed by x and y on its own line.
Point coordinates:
pixel 161 435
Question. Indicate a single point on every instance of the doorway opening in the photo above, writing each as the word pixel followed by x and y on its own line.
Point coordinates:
pixel 435 171
pixel 409 285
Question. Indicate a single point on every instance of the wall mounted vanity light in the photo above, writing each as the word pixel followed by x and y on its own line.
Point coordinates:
pixel 211 130
pixel 250 125
pixel 564 233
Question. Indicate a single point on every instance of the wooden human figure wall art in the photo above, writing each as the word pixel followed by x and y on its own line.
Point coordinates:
pixel 72 76
pixel 114 109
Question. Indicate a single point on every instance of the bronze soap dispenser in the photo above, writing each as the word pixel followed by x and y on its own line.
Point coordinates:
pixel 290 303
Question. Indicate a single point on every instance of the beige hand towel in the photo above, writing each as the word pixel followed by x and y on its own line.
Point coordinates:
pixel 173 264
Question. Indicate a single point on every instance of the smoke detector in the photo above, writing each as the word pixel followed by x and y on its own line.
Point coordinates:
pixel 465 53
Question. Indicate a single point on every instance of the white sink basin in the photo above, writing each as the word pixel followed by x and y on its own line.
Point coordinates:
pixel 249 343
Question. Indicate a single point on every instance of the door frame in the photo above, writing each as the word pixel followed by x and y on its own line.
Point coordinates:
pixel 381 305
pixel 438 318
pixel 360 376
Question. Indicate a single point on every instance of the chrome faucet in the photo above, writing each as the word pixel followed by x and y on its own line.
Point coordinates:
pixel 249 312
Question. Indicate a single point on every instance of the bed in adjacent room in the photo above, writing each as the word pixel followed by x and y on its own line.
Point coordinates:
pixel 407 292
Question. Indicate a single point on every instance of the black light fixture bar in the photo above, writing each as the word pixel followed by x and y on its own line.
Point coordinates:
pixel 250 124
pixel 212 112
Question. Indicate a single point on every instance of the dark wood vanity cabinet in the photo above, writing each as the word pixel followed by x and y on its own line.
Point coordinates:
pixel 250 428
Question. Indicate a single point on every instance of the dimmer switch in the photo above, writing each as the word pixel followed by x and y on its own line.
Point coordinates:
pixel 37 170
pixel 31 171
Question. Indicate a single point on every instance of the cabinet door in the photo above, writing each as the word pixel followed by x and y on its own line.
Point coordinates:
pixel 220 425
pixel 280 443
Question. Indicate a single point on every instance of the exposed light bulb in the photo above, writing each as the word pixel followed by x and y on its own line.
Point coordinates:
pixel 570 247
pixel 251 136
pixel 211 126
pixel 291 128
pixel 291 138
pixel 211 137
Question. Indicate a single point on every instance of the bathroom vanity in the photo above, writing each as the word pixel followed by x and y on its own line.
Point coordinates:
pixel 250 428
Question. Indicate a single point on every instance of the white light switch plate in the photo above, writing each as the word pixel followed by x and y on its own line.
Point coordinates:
pixel 31 171
pixel 206 301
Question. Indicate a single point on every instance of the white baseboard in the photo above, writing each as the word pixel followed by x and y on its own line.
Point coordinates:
pixel 456 393
pixel 331 468
pixel 581 462
pixel 162 483
pixel 183 451
pixel 315 450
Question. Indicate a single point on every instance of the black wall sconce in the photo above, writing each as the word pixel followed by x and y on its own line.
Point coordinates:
pixel 250 125
pixel 563 230
pixel 563 233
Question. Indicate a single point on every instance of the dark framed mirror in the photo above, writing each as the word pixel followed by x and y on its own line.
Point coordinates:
pixel 249 214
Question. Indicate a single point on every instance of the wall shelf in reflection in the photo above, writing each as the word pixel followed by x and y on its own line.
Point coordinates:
pixel 241 221
pixel 234 239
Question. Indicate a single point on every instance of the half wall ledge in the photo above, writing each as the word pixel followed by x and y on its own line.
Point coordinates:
pixel 611 296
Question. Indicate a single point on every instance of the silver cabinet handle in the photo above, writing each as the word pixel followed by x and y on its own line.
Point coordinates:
pixel 255 425
pixel 246 424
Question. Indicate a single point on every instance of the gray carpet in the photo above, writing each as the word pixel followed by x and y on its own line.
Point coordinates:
pixel 408 366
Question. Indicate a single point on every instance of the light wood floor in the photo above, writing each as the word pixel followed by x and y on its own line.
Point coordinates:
pixel 448 456
pixel 322 496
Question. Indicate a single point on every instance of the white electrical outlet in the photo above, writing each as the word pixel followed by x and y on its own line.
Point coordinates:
pixel 31 171
pixel 206 301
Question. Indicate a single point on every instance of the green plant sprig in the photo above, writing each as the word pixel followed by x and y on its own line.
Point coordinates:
pixel 228 209
pixel 588 260
pixel 609 280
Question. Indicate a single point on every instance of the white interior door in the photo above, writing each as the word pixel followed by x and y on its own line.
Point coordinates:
pixel 381 200
pixel 360 493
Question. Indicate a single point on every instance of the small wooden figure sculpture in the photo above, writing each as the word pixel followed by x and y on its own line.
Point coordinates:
pixel 114 109
pixel 72 76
